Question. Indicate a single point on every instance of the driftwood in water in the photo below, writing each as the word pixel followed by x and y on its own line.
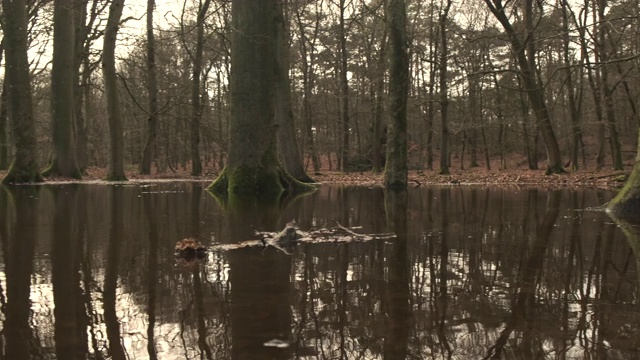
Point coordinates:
pixel 291 235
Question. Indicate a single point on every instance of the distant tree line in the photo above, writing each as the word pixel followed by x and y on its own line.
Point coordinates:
pixel 489 81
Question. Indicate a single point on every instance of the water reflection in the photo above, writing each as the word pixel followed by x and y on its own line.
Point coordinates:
pixel 88 272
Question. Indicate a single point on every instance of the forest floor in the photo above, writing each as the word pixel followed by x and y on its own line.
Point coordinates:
pixel 605 178
pixel 517 174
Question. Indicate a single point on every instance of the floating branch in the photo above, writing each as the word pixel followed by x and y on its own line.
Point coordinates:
pixel 288 238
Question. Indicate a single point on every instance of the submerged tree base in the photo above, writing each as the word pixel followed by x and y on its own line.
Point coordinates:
pixel 627 202
pixel 54 169
pixel 22 176
pixel 556 169
pixel 116 178
pixel 246 182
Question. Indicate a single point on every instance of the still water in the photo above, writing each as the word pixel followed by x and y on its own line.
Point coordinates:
pixel 88 271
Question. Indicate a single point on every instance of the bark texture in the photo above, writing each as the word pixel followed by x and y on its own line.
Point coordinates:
pixel 148 154
pixel 24 168
pixel 396 170
pixel 116 153
pixel 252 169
pixel 627 201
pixel 63 161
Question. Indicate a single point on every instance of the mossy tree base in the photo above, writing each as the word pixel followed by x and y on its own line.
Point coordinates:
pixel 627 202
pixel 555 169
pixel 17 176
pixel 116 178
pixel 268 184
pixel 54 169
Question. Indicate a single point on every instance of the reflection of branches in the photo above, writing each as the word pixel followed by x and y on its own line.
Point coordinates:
pixel 529 278
pixel 202 330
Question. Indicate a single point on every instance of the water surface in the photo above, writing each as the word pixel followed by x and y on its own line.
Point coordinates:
pixel 88 271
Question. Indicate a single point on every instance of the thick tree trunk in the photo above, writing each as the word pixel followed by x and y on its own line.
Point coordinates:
pixel 24 168
pixel 148 154
pixel 627 201
pixel 395 174
pixel 116 160
pixel 80 80
pixel 196 108
pixel 286 133
pixel 534 90
pixel 63 161
pixel 252 170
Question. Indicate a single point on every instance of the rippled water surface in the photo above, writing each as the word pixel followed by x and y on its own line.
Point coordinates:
pixel 88 271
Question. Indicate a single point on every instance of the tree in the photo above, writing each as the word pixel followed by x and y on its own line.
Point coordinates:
pixel 627 201
pixel 252 170
pixel 395 174
pixel 63 161
pixel 344 89
pixel 286 133
pixel 444 88
pixel 116 157
pixel 24 168
pixel 152 91
pixel 196 108
pixel 525 55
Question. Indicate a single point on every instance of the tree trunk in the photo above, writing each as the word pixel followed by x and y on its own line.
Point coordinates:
pixel 378 110
pixel 307 59
pixel 574 111
pixel 148 155
pixel 627 202
pixel 4 133
pixel 395 174
pixel 63 161
pixel 431 102
pixel 24 168
pixel 116 161
pixel 80 51
pixel 344 91
pixel 252 170
pixel 444 89
pixel 607 92
pixel 534 90
pixel 286 133
pixel 196 108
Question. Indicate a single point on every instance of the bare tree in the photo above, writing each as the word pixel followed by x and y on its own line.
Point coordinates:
pixel 252 170
pixel 24 168
pixel 116 151
pixel 521 48
pixel 152 91
pixel 444 89
pixel 63 161
pixel 395 174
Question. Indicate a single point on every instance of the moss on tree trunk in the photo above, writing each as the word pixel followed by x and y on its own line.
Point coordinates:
pixel 627 201
pixel 24 168
pixel 253 169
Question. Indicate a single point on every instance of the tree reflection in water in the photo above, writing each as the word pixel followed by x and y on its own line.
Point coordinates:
pixel 474 272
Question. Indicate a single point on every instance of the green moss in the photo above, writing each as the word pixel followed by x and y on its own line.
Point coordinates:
pixel 220 184
pixel 627 201
pixel 27 175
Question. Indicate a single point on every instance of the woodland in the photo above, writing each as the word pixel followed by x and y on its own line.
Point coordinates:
pixel 515 85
